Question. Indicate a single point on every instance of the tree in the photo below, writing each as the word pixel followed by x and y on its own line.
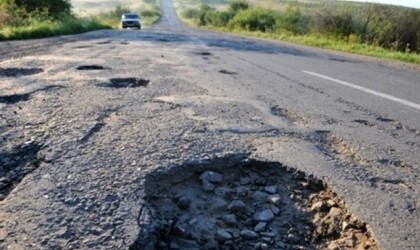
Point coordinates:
pixel 53 8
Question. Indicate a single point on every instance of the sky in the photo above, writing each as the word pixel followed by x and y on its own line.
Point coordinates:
pixel 407 3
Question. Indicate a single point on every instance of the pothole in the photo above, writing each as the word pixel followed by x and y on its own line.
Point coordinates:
pixel 83 47
pixel 16 164
pixel 227 72
pixel 284 113
pixel 12 99
pixel 365 122
pixel 384 119
pixel 204 53
pixel 245 205
pixel 15 98
pixel 16 72
pixel 90 67
pixel 104 42
pixel 131 82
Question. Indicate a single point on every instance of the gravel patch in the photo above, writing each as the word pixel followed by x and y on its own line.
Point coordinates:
pixel 253 205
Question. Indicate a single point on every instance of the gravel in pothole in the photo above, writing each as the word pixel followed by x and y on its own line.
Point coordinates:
pixel 254 205
pixel 16 72
pixel 130 82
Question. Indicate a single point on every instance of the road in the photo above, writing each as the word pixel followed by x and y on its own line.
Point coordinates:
pixel 78 143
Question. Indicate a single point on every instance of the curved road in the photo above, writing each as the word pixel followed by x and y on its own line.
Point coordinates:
pixel 74 152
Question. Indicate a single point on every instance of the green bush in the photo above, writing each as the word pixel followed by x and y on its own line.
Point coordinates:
pixel 204 15
pixel 391 27
pixel 190 13
pixel 51 8
pixel 254 19
pixel 236 6
pixel 335 22
pixel 293 20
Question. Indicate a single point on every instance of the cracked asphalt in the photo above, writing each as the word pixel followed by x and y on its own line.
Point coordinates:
pixel 85 119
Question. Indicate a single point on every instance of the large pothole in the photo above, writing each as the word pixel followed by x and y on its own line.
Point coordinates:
pixel 16 72
pixel 245 205
pixel 130 82
pixel 16 164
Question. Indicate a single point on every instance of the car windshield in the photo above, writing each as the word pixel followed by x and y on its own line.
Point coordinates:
pixel 131 16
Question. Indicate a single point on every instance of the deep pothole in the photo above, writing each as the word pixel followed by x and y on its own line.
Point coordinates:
pixel 130 82
pixel 16 72
pixel 90 67
pixel 16 164
pixel 245 205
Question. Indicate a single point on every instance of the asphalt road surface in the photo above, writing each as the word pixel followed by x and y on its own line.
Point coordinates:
pixel 85 119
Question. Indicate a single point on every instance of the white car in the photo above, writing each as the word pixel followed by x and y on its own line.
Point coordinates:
pixel 130 20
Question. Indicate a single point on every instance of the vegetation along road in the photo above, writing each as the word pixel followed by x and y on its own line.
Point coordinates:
pixel 178 138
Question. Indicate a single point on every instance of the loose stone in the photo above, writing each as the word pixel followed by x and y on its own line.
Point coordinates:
pixel 230 219
pixel 211 176
pixel 184 203
pixel 265 215
pixel 260 226
pixel 331 203
pixel 174 246
pixel 271 189
pixel 318 206
pixel 260 181
pixel 237 206
pixel 264 246
pixel 334 212
pixel 207 185
pixel 266 239
pixel 275 199
pixel 223 235
pixel 181 231
pixel 268 234
pixel 245 181
pixel 248 234
pixel 275 210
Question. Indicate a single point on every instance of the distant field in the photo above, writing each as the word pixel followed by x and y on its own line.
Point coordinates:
pixel 89 7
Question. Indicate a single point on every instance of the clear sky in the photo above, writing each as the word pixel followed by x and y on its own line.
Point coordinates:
pixel 408 3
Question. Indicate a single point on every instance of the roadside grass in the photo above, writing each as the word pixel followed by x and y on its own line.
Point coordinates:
pixel 365 29
pixel 89 16
pixel 69 25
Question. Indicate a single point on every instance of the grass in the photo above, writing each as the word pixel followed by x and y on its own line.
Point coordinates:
pixel 289 21
pixel 68 25
pixel 344 46
pixel 88 15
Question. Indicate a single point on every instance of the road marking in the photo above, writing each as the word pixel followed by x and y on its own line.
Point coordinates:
pixel 366 90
